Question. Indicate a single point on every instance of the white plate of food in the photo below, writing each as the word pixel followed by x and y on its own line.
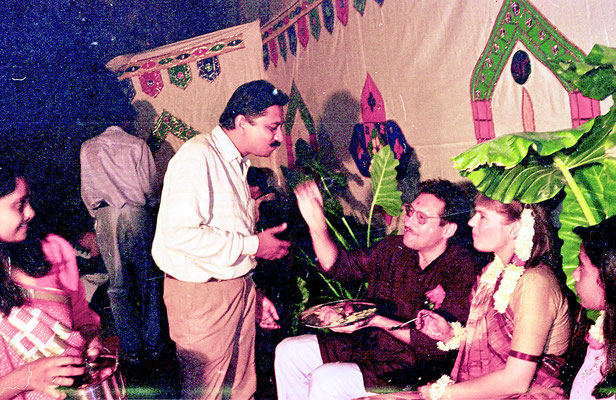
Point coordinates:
pixel 337 313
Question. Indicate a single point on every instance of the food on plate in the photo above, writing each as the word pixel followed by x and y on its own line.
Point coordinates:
pixel 337 313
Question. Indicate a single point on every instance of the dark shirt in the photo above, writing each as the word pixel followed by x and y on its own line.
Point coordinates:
pixel 398 286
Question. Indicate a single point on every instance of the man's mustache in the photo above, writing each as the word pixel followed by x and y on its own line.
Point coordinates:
pixel 275 144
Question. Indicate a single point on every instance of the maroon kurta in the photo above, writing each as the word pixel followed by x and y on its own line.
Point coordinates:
pixel 398 285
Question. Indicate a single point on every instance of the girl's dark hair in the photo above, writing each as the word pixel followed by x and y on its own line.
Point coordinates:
pixel 599 242
pixel 542 240
pixel 27 255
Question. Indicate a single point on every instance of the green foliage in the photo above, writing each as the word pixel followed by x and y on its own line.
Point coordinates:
pixel 384 185
pixel 535 166
pixel 595 76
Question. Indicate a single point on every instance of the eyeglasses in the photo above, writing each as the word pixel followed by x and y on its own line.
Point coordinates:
pixel 421 217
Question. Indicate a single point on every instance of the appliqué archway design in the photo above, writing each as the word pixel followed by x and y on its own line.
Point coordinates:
pixel 519 20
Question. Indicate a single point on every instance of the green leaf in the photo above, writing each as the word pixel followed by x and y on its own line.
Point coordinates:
pixel 383 182
pixel 527 183
pixel 598 186
pixel 595 76
pixel 509 150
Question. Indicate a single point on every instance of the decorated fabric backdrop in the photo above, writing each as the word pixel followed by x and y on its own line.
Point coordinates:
pixel 182 88
pixel 436 76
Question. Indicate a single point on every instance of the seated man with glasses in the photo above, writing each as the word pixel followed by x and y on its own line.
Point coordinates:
pixel 427 267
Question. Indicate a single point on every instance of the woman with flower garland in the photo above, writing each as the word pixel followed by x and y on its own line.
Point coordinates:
pixel 596 286
pixel 46 326
pixel 518 324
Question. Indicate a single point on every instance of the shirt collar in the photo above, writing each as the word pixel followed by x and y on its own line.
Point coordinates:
pixel 227 148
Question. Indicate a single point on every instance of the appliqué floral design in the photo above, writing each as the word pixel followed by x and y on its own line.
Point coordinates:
pixel 436 297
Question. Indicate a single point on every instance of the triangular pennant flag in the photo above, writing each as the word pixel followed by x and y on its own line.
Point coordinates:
pixel 180 75
pixel 342 10
pixel 151 83
pixel 167 123
pixel 315 23
pixel 302 30
pixel 360 5
pixel 209 68
pixel 273 48
pixel 266 59
pixel 282 45
pixel 328 15
pixel 292 39
pixel 372 104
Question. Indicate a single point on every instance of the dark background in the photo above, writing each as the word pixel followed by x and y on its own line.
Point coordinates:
pixel 56 92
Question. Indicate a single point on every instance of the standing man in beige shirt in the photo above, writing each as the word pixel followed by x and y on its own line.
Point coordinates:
pixel 206 245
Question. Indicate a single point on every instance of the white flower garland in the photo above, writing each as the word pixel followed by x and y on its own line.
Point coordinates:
pixel 456 340
pixel 437 390
pixel 524 240
pixel 510 279
pixel 596 331
pixel 513 272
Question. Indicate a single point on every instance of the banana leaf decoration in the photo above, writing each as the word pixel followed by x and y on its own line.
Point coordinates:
pixel 535 166
pixel 384 185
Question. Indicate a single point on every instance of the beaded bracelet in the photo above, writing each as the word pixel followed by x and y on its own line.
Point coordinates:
pixel 455 341
pixel 437 390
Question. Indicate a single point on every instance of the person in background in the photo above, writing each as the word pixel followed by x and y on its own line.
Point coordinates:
pixel 595 285
pixel 118 189
pixel 403 273
pixel 205 242
pixel 39 283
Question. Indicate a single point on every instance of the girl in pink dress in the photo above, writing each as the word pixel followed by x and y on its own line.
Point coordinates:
pixel 46 326
pixel 595 279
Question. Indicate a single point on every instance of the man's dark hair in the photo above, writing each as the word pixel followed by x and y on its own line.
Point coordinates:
pixel 458 207
pixel 251 100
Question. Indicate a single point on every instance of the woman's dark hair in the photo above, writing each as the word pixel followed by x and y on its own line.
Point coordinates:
pixel 542 240
pixel 27 255
pixel 599 242
pixel 251 100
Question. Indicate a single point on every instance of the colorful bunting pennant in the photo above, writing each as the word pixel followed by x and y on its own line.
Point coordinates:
pixel 292 39
pixel 328 15
pixel 315 23
pixel 302 31
pixel 198 52
pixel 180 75
pixel 360 5
pixel 273 48
pixel 209 68
pixel 266 58
pixel 167 123
pixel 342 10
pixel 296 20
pixel 282 46
pixel 151 83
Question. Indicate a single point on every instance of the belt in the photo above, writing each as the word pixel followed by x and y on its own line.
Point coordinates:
pixel 176 279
